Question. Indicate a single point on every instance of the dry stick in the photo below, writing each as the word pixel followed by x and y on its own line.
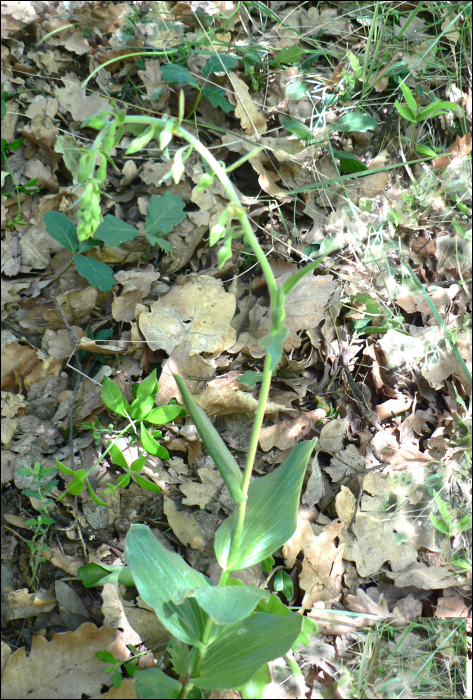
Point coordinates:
pixel 360 492
pixel 74 340
pixel 367 413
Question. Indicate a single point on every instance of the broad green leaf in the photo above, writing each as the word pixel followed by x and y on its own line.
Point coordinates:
pixel 295 278
pixel 462 525
pixel 164 213
pixel 250 378
pixel 410 99
pixel 227 604
pixel 217 98
pixel 94 496
pixel 122 482
pixel 158 574
pixel 254 688
pixel 97 273
pixel 354 121
pixel 171 73
pixel 291 54
pixel 296 90
pixel 221 455
pixel 62 230
pixel 152 683
pixel 349 163
pixel 146 484
pixel 76 487
pixel 271 513
pixel 443 508
pixel 439 524
pixel 241 649
pixel 179 653
pixel 437 108
pixel 148 385
pixel 283 583
pixel 298 129
pixel 425 150
pixel 274 344
pixel 118 457
pixel 273 606
pixel 156 240
pixel 113 231
pixel 99 574
pixel 164 414
pixel 62 468
pixel 356 65
pixel 405 112
pixel 151 446
pixel 113 397
pixel 267 564
pixel 219 64
pixel 138 464
pixel 141 407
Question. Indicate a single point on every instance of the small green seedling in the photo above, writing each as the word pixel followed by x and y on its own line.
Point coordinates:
pixel 43 521
pixel 129 666
pixel 97 429
pixel 141 411
pixel 411 112
pixel 446 523
pixel 6 148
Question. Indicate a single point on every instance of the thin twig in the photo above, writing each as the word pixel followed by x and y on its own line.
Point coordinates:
pixel 74 341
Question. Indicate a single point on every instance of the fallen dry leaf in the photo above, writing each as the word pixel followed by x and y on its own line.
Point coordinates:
pixel 199 311
pixel 252 120
pixel 183 524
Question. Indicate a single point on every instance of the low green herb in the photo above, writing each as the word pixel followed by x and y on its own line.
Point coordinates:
pixel 6 148
pixel 447 524
pixel 43 521
pixel 129 666
pixel 162 215
pixel 411 111
pixel 142 410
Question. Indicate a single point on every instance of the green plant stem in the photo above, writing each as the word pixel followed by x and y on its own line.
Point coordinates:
pixel 258 422
pixel 186 690
pixel 240 214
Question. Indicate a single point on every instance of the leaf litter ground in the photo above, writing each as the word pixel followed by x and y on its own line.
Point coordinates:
pixel 379 555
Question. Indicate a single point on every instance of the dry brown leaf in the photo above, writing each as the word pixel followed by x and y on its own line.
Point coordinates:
pixel 199 311
pixel 223 401
pixel 453 606
pixel 286 434
pixel 183 524
pixel 18 361
pixel 201 494
pixel 459 149
pixel 322 567
pixel 252 120
pixel 267 180
pixel 425 577
pixel 381 537
pixel 195 370
pixel 136 286
pixel 64 667
pixel 332 435
pixel 73 98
